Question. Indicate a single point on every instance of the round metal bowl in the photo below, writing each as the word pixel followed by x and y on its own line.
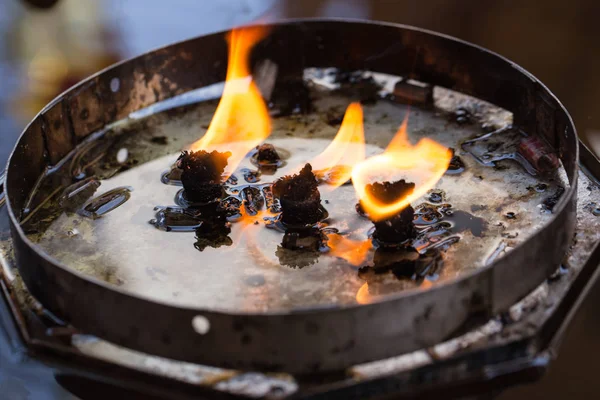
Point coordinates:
pixel 309 340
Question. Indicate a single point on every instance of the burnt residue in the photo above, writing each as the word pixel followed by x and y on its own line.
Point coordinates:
pixel 548 205
pixel 290 96
pixel 201 175
pixel 399 227
pixel 299 198
pixel 358 86
pixel 456 165
pixel 213 231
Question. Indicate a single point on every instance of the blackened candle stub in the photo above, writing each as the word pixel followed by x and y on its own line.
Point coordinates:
pixel 266 154
pixel 398 227
pixel 299 198
pixel 201 175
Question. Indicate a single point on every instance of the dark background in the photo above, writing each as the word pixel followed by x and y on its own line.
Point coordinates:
pixel 44 52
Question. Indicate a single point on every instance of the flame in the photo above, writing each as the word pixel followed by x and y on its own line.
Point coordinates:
pixel 241 120
pixel 353 251
pixel 346 149
pixel 424 164
pixel 363 296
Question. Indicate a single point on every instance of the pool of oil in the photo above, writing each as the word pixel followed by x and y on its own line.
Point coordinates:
pixel 96 217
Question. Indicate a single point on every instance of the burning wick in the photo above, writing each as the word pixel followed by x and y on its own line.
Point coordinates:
pixel 241 121
pixel 201 175
pixel 299 198
pixel 398 227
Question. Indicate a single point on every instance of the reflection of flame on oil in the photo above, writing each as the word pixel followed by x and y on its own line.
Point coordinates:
pixel 424 164
pixel 363 296
pixel 354 252
pixel 241 120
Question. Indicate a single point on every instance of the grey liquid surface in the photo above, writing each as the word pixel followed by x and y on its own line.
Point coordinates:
pixel 124 249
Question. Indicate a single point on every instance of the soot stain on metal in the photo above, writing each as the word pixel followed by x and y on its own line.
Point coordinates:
pixel 550 202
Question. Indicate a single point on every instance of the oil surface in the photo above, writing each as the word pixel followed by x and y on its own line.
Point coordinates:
pixel 118 245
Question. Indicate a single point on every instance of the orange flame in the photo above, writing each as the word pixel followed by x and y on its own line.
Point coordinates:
pixel 353 251
pixel 346 149
pixel 424 164
pixel 241 120
pixel 363 296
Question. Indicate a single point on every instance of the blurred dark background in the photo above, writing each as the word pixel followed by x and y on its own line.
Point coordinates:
pixel 43 51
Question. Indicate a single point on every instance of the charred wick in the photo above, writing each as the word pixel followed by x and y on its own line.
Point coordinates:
pixel 399 227
pixel 299 198
pixel 201 175
pixel 266 154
